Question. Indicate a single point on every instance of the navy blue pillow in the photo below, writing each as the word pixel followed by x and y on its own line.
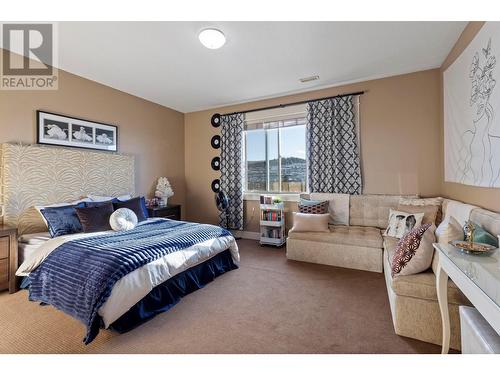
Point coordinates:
pixel 116 200
pixel 144 207
pixel 98 204
pixel 62 220
pixel 137 204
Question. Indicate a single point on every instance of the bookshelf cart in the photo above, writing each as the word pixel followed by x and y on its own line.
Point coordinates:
pixel 272 222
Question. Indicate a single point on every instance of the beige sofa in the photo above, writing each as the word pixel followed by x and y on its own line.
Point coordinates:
pixel 358 245
pixel 413 299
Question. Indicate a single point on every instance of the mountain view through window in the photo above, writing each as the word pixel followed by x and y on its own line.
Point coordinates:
pixel 276 157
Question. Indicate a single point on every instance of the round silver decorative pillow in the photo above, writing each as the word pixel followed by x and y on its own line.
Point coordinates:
pixel 123 219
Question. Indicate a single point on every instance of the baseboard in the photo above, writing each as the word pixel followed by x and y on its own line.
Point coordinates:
pixel 247 235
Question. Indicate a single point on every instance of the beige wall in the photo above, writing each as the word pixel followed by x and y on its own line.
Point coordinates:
pixel 154 134
pixel 400 141
pixel 486 197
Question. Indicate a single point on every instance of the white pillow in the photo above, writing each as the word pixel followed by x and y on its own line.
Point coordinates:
pixel 104 198
pixel 310 222
pixel 123 219
pixel 401 223
pixel 449 230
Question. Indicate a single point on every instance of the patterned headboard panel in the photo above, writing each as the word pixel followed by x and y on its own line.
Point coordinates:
pixel 37 175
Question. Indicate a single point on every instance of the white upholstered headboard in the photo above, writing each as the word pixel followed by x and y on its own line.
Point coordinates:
pixel 38 175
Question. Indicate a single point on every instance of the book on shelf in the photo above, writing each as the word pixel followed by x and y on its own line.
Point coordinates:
pixel 272 233
pixel 270 215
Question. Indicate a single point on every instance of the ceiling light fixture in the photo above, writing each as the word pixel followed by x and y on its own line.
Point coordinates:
pixel 212 38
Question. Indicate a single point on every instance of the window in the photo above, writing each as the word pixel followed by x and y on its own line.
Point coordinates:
pixel 275 156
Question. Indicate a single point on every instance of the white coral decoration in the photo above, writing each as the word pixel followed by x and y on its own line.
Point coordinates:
pixel 163 188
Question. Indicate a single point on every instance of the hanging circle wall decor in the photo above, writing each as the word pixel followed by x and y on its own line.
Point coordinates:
pixel 215 120
pixel 216 185
pixel 215 142
pixel 215 163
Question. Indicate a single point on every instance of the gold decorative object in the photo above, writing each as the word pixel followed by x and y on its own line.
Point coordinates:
pixel 474 248
pixel 469 229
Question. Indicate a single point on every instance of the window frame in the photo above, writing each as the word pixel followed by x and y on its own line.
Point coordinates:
pixel 279 128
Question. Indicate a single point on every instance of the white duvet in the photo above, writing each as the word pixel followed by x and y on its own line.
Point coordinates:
pixel 136 285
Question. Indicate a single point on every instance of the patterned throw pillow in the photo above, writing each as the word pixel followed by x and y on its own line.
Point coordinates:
pixel 414 251
pixel 401 223
pixel 316 208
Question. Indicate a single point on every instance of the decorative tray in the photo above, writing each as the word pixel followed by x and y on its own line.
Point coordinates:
pixel 475 248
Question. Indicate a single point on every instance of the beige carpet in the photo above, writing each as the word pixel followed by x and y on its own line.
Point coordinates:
pixel 269 305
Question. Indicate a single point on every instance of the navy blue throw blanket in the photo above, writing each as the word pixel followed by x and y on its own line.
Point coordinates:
pixel 79 275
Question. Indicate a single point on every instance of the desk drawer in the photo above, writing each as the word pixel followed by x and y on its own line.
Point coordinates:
pixel 4 247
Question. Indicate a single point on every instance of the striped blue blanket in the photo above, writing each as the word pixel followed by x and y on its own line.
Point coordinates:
pixel 79 275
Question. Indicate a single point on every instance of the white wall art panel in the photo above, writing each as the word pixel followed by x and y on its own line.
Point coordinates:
pixel 472 112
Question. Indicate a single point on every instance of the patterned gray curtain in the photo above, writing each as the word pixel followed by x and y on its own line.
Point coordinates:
pixel 332 146
pixel 231 162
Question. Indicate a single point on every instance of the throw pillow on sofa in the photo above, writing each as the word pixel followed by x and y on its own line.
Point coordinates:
pixel 449 230
pixel 310 222
pixel 436 201
pixel 313 207
pixel 414 251
pixel 430 211
pixel 309 202
pixel 401 223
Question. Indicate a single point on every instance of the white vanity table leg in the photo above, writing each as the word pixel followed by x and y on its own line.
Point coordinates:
pixel 442 294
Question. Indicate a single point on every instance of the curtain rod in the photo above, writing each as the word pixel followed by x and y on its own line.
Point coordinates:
pixel 294 103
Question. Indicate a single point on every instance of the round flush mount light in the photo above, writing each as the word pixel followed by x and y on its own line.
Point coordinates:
pixel 212 38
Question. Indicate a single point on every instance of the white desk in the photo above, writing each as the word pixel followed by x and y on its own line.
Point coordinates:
pixel 478 277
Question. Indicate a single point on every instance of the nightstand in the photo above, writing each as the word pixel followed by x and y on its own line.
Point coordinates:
pixel 170 211
pixel 8 258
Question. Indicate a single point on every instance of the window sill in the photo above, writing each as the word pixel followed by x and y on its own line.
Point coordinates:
pixel 285 197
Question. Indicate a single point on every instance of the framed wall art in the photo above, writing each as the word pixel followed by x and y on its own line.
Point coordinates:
pixel 61 130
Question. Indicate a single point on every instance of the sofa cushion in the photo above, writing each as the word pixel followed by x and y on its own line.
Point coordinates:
pixel 344 235
pixel 421 285
pixel 430 212
pixel 338 206
pixel 489 220
pixel 372 210
pixel 436 201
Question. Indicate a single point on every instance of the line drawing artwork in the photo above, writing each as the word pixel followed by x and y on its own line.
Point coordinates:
pixel 477 162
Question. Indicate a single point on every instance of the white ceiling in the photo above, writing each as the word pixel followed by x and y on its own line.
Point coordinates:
pixel 165 63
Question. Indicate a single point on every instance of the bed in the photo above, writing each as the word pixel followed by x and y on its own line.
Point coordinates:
pixel 119 280
pixel 115 280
